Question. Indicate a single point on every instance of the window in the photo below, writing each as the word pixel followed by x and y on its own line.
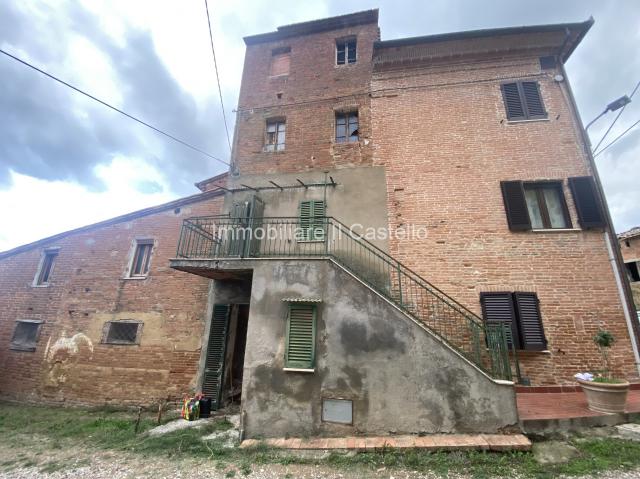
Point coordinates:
pixel 280 61
pixel 122 332
pixel 535 205
pixel 546 205
pixel 522 101
pixel 45 269
pixel 275 135
pixel 301 336
pixel 141 259
pixel 521 313
pixel 346 51
pixel 347 127
pixel 312 221
pixel 632 271
pixel 587 201
pixel 25 336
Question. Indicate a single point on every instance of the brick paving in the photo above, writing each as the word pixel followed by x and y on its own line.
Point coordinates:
pixel 493 442
pixel 564 405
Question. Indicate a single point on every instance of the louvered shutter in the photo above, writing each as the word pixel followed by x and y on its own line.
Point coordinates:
pixel 216 350
pixel 306 210
pixel 301 336
pixel 515 205
pixel 530 322
pixel 533 100
pixel 585 197
pixel 498 308
pixel 512 102
pixel 312 219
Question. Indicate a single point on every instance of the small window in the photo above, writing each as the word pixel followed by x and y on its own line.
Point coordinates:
pixel 301 336
pixel 280 62
pixel 632 271
pixel 346 51
pixel 546 205
pixel 25 336
pixel 275 135
pixel 535 205
pixel 522 101
pixel 141 259
pixel 122 332
pixel 312 221
pixel 521 313
pixel 45 269
pixel 347 127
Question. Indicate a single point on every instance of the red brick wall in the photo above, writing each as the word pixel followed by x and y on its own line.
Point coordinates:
pixel 309 95
pixel 444 138
pixel 632 253
pixel 87 288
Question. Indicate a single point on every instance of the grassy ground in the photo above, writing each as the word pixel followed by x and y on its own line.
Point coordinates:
pixel 32 433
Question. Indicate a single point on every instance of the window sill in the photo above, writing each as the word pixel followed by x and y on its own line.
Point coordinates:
pixel 111 343
pixel 310 241
pixel 41 285
pixel 135 278
pixel 18 347
pixel 298 370
pixel 556 230
pixel 528 352
pixel 515 122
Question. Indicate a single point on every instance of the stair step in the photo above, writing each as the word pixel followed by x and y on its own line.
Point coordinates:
pixel 492 442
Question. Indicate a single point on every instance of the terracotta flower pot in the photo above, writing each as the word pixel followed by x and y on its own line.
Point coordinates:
pixel 605 397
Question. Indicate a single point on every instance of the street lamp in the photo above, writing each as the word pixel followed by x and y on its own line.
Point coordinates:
pixel 613 106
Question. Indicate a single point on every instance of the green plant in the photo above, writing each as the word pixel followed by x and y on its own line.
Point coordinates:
pixel 604 340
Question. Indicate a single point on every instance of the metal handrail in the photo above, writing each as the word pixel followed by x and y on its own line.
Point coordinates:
pixel 225 237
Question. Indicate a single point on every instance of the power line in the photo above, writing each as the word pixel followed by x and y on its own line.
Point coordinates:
pixel 215 63
pixel 616 118
pixel 113 108
pixel 617 138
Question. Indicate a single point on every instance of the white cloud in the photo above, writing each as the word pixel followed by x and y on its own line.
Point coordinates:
pixel 37 208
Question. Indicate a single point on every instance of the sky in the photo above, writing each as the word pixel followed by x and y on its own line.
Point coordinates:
pixel 66 161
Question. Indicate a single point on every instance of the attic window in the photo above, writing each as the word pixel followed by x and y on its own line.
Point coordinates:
pixel 45 268
pixel 346 51
pixel 141 259
pixel 25 336
pixel 632 271
pixel 280 61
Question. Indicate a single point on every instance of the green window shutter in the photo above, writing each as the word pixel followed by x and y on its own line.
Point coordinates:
pixel 216 350
pixel 301 336
pixel 312 214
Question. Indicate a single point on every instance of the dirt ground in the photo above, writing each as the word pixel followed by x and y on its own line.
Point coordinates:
pixel 48 463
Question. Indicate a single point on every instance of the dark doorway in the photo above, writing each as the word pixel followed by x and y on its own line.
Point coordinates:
pixel 236 345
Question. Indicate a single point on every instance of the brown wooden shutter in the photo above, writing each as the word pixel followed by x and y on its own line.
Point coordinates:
pixel 512 102
pixel 530 322
pixel 498 308
pixel 515 205
pixel 533 100
pixel 585 197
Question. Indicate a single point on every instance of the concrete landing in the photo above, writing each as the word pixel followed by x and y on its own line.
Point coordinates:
pixel 442 442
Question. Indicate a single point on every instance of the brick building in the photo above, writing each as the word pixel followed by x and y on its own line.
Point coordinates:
pixel 630 247
pixel 408 228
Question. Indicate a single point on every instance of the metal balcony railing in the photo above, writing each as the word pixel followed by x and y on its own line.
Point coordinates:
pixel 287 237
